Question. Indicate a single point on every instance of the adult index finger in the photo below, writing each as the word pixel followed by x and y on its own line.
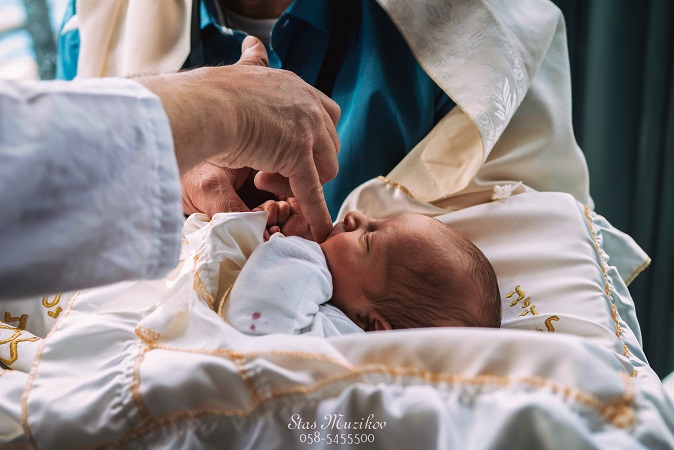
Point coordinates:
pixel 331 113
pixel 309 193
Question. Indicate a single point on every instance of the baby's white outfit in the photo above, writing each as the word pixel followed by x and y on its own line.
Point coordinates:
pixel 283 288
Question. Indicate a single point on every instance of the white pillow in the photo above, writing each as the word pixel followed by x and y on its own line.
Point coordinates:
pixel 548 253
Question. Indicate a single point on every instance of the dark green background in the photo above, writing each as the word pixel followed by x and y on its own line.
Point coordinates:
pixel 622 61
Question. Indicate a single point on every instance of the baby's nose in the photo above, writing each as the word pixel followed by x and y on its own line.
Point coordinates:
pixel 353 220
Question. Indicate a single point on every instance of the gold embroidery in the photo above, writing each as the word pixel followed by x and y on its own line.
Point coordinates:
pixel 618 412
pixel 395 185
pixel 248 380
pixel 607 286
pixel 526 304
pixel 23 320
pixel 223 300
pixel 200 287
pixel 531 310
pixel 33 373
pixel 13 344
pixel 47 304
pixel 147 334
pixel 135 386
pixel 520 295
pixel 16 334
pixel 231 354
pixel 548 323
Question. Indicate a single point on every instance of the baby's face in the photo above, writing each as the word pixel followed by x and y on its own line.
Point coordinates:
pixel 357 251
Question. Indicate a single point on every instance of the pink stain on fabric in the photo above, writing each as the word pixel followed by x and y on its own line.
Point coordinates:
pixel 256 315
pixel 252 328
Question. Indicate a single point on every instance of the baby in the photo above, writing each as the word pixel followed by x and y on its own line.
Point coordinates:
pixel 407 271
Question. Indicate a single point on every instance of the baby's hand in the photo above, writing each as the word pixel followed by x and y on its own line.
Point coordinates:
pixel 284 216
pixel 277 213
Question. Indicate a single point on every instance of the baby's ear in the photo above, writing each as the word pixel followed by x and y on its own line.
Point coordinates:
pixel 377 322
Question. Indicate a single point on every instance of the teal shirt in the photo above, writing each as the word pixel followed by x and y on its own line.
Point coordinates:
pixel 388 102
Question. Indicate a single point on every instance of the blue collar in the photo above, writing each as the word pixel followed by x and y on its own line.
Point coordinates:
pixel 207 13
pixel 314 12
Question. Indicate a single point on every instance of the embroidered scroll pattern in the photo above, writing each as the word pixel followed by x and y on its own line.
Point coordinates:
pixel 13 342
pixel 18 325
pixel 447 47
pixel 22 319
pixel 526 304
pixel 548 323
pixel 50 304
pixel 529 308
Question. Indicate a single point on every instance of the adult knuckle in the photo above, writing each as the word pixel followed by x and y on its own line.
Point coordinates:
pixel 333 169
pixel 304 142
pixel 209 183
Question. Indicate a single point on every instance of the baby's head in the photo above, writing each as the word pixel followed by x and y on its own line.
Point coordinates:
pixel 409 271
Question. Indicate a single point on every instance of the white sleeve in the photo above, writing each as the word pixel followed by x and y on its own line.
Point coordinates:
pixel 89 186
pixel 280 287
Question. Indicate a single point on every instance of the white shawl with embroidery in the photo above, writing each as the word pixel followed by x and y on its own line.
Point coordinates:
pixel 505 64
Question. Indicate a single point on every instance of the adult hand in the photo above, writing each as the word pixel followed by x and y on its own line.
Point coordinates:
pixel 209 188
pixel 247 115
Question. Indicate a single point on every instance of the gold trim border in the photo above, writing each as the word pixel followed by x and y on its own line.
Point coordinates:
pixel 395 185
pixel 33 372
pixel 639 269
pixel 607 286
pixel 618 412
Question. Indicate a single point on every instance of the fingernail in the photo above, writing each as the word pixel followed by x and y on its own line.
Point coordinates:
pixel 248 43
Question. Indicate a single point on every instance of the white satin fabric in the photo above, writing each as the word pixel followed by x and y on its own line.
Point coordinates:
pixel 153 365
pixel 127 371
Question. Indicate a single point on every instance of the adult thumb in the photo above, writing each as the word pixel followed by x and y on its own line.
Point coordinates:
pixel 253 53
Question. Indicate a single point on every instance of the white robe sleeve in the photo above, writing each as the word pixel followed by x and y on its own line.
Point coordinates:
pixel 280 288
pixel 89 187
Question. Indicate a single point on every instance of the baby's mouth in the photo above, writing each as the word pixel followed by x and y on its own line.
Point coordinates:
pixel 337 229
